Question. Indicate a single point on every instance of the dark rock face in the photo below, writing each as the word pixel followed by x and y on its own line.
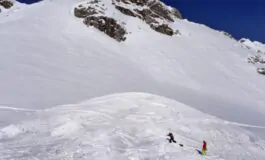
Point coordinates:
pixel 160 10
pixel 261 71
pixel 125 11
pixel 176 13
pixel 228 35
pixel 6 4
pixel 152 12
pixel 124 1
pixel 150 18
pixel 84 12
pixel 256 59
pixel 147 15
pixel 139 2
pixel 165 29
pixel 242 40
pixel 108 26
pixel 94 1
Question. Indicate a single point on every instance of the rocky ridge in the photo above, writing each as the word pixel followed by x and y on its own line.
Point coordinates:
pixel 258 58
pixel 153 12
pixel 6 4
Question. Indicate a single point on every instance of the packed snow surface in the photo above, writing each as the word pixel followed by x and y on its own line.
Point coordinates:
pixel 50 58
pixel 125 126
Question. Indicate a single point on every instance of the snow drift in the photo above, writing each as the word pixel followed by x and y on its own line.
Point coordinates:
pixel 126 126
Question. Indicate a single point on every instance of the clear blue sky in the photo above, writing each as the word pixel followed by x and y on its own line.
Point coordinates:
pixel 241 18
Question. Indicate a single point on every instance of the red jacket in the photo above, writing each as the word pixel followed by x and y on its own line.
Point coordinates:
pixel 204 146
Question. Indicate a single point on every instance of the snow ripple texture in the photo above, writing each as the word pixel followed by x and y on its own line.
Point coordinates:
pixel 129 126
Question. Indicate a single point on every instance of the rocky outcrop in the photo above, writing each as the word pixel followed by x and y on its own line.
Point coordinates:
pixel 138 2
pixel 256 59
pixel 151 19
pixel 93 13
pixel 125 11
pixel 6 4
pixel 147 15
pixel 165 29
pixel 176 13
pixel 83 12
pixel 259 56
pixel 261 71
pixel 160 10
pixel 153 12
pixel 228 35
pixel 108 26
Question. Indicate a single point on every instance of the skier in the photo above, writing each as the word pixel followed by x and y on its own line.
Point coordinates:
pixel 171 138
pixel 204 148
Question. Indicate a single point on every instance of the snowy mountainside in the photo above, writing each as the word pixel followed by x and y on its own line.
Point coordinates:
pixel 50 58
pixel 255 45
pixel 110 16
pixel 126 126
pixel 258 57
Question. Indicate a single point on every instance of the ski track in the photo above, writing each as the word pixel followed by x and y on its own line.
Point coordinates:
pixel 17 109
pixel 244 125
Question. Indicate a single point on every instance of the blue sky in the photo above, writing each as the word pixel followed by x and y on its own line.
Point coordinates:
pixel 241 18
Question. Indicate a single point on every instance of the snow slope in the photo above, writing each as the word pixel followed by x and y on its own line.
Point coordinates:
pixel 126 126
pixel 258 55
pixel 5 13
pixel 49 58
pixel 255 45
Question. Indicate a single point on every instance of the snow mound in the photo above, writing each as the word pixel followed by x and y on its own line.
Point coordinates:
pixel 128 126
pixel 66 129
pixel 9 132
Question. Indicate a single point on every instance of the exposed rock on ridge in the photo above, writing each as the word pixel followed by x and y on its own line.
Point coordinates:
pixel 153 12
pixel 5 4
pixel 258 58
pixel 106 25
pixel 94 15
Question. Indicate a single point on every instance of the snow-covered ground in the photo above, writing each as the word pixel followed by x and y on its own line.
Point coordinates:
pixel 129 126
pixel 254 45
pixel 259 52
pixel 50 58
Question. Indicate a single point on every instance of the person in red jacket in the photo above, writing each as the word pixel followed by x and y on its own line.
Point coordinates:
pixel 204 148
